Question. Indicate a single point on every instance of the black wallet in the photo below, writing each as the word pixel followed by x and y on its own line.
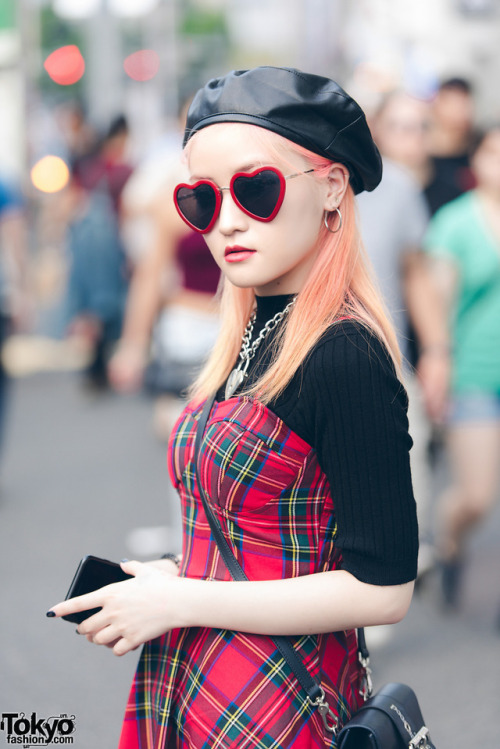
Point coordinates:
pixel 92 573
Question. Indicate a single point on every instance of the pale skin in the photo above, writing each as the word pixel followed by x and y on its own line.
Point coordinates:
pixel 157 600
pixel 428 314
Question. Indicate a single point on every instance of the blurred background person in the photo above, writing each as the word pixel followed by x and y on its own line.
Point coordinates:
pixel 394 219
pixel 403 126
pixel 16 303
pixel 171 320
pixel 451 135
pixel 79 136
pixel 148 185
pixel 98 269
pixel 464 241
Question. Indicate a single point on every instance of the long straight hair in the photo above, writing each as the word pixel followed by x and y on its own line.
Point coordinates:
pixel 339 285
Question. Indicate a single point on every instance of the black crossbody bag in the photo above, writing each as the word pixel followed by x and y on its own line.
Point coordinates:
pixel 389 719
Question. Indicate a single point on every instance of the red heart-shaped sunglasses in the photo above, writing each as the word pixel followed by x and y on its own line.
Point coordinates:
pixel 259 194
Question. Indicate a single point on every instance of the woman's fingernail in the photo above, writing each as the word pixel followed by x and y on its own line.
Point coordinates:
pixel 50 613
pixel 123 560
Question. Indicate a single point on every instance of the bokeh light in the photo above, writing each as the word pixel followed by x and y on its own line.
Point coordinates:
pixel 50 174
pixel 132 8
pixel 76 10
pixel 65 65
pixel 142 65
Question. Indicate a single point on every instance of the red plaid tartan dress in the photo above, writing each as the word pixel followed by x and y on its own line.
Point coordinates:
pixel 201 688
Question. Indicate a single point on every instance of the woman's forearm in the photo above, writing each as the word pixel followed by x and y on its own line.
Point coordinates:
pixel 323 602
pixel 156 601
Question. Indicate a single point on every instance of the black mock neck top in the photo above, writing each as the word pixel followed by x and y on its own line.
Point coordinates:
pixel 348 404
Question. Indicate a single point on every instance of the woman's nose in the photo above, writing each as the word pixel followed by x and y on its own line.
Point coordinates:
pixel 231 217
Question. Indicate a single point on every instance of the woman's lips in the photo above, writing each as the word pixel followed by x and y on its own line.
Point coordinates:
pixel 237 254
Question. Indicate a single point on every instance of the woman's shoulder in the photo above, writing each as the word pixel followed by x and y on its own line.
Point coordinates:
pixel 350 355
pixel 352 338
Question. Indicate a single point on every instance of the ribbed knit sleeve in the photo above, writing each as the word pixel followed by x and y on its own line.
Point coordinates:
pixel 348 404
pixel 353 410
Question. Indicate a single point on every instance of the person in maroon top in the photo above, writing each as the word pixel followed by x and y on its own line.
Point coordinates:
pixel 171 319
pixel 304 458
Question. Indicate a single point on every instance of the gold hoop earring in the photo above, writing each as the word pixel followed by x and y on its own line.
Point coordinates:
pixel 325 221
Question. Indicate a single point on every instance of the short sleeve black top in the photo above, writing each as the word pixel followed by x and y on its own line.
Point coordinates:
pixel 348 404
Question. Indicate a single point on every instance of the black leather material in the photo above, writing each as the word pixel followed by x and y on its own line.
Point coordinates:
pixel 310 110
pixel 388 720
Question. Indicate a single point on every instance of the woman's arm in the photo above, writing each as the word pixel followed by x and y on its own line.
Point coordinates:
pixel 323 602
pixel 434 364
pixel 155 602
pixel 145 296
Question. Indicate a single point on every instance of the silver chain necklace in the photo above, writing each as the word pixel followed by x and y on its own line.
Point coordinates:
pixel 248 351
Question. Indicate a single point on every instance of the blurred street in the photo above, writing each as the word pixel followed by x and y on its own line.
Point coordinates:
pixel 81 475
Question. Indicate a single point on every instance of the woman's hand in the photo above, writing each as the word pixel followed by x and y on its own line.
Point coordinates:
pixel 126 367
pixel 434 374
pixel 134 611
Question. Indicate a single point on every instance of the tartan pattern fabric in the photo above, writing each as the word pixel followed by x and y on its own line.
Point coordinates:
pixel 202 688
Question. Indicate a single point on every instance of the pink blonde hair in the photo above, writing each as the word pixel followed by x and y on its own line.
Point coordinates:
pixel 340 284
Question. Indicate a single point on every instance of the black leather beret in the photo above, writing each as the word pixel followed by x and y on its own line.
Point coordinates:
pixel 310 110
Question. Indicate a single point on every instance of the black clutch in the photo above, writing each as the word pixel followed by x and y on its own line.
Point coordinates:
pixel 391 719
pixel 92 573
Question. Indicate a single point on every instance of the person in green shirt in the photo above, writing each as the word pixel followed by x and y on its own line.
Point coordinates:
pixel 464 242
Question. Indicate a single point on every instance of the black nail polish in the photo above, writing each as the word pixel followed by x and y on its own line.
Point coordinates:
pixel 50 613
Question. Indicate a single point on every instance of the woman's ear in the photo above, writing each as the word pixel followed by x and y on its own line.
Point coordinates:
pixel 337 183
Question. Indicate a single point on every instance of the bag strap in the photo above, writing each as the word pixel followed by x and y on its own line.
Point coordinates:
pixel 315 693
pixel 366 690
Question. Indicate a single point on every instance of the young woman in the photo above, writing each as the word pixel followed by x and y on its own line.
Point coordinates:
pixel 305 455
pixel 464 242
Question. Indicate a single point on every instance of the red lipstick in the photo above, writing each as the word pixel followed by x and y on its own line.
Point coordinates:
pixel 237 254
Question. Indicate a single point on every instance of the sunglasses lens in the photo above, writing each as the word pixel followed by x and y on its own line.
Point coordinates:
pixel 197 205
pixel 258 194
